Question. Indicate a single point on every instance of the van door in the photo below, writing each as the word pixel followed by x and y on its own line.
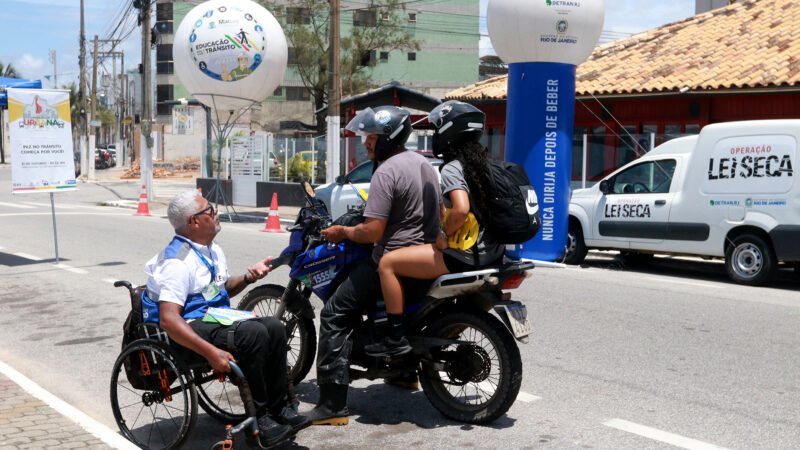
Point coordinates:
pixel 636 207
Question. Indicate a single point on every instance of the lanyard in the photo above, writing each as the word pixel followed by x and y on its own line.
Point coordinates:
pixel 212 267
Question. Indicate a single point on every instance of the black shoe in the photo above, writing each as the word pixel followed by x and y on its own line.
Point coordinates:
pixel 288 416
pixel 388 347
pixel 271 433
pixel 332 406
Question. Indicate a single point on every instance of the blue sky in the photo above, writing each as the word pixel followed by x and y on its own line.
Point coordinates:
pixel 29 28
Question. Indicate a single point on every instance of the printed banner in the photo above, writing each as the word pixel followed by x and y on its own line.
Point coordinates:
pixel 541 113
pixel 41 140
pixel 182 121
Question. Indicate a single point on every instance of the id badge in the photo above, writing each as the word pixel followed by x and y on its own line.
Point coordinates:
pixel 210 291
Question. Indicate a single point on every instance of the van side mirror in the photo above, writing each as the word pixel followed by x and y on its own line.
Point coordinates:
pixel 605 187
pixel 341 179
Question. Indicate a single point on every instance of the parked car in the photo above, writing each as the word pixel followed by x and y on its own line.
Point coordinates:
pixel 340 197
pixel 729 192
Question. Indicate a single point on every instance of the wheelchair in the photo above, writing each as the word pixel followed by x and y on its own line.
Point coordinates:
pixel 156 387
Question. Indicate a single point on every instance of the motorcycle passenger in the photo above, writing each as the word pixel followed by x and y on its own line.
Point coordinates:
pixel 189 277
pixel 402 210
pixel 462 244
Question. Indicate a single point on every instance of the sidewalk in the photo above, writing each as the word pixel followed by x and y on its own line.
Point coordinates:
pixel 165 188
pixel 28 423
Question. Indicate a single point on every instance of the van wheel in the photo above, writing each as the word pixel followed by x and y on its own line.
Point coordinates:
pixel 576 249
pixel 635 259
pixel 750 260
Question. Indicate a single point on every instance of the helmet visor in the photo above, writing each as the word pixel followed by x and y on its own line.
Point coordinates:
pixel 369 122
pixel 436 116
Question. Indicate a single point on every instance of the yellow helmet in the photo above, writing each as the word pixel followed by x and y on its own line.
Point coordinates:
pixel 466 236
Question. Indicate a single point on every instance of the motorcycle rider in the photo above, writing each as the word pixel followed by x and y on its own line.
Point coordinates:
pixel 402 210
pixel 462 245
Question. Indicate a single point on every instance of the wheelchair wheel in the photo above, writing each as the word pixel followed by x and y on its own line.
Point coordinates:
pixel 153 397
pixel 220 400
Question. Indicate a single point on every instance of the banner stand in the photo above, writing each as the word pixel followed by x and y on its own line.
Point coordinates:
pixel 55 230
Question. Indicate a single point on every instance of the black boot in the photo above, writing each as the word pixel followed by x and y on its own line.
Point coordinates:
pixel 331 408
pixel 288 416
pixel 271 433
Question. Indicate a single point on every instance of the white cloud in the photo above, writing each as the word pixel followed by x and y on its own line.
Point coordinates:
pixel 30 66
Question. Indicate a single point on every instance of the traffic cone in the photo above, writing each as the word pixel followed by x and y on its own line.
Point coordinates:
pixel 144 209
pixel 273 224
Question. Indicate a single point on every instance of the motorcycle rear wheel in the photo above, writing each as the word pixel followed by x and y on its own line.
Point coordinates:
pixel 301 336
pixel 481 380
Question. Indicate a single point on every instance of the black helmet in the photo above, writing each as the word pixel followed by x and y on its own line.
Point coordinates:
pixel 390 123
pixel 456 123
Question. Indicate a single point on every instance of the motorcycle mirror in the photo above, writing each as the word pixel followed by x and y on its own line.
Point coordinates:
pixel 307 187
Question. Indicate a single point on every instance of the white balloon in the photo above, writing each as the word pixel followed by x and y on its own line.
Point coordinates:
pixel 562 31
pixel 233 49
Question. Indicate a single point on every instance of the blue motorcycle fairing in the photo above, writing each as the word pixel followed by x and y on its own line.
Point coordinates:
pixel 318 267
pixel 295 243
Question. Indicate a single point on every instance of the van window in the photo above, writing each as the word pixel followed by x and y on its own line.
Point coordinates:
pixel 652 177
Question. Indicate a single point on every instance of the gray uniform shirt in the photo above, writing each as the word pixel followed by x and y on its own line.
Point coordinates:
pixel 405 192
pixel 486 250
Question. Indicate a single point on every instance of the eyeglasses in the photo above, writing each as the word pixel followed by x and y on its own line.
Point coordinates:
pixel 210 208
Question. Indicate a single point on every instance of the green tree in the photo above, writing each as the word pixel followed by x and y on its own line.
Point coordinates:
pixel 306 25
pixel 8 71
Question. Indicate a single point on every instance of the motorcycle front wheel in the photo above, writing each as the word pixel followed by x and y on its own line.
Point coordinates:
pixel 478 379
pixel 301 336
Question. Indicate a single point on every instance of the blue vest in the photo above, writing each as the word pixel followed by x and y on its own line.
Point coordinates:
pixel 195 306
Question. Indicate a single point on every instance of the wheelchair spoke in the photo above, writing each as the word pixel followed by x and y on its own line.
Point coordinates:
pixel 170 415
pixel 128 389
pixel 159 430
pixel 150 434
pixel 136 419
pixel 132 404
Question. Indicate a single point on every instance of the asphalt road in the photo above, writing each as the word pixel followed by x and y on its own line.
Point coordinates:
pixel 619 358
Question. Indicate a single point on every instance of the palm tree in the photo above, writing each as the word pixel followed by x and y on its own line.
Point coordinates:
pixel 8 71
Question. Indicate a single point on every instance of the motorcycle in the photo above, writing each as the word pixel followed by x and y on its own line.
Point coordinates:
pixel 466 358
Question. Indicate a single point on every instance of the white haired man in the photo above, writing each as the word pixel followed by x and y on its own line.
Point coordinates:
pixel 190 276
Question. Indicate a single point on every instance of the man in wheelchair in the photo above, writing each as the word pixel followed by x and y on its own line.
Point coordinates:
pixel 187 282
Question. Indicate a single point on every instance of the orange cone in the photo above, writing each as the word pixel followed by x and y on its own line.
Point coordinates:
pixel 273 224
pixel 144 209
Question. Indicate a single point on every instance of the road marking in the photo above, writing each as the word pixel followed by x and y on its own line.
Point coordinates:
pixel 16 205
pixel 70 213
pixel 71 269
pixel 527 398
pixel 27 256
pixel 94 427
pixel 47 205
pixel 689 283
pixel 661 436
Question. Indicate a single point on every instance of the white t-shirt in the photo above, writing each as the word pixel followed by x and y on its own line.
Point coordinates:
pixel 172 280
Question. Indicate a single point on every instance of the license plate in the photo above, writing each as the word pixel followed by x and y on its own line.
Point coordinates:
pixel 518 319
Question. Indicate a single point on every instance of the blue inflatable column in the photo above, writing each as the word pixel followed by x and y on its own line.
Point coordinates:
pixel 539 120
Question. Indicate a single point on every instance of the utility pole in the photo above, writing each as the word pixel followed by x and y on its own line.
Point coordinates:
pixel 334 95
pixel 93 137
pixel 146 140
pixel 82 89
pixel 55 70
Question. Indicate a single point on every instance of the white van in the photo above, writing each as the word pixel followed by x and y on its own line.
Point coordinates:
pixel 729 192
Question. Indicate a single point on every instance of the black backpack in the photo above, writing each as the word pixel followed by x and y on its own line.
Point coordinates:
pixel 512 210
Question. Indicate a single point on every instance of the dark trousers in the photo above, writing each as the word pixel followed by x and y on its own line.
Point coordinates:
pixel 339 317
pixel 259 346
